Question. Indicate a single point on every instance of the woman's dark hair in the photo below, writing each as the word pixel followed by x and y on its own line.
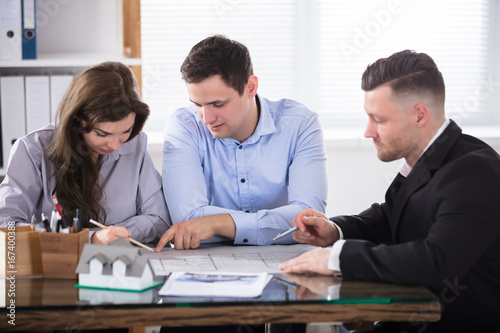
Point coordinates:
pixel 107 92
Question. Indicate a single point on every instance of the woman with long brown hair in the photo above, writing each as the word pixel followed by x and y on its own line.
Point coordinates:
pixel 94 158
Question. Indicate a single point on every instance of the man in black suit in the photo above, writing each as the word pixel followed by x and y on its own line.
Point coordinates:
pixel 440 224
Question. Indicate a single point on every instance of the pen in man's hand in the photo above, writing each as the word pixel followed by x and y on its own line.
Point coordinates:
pixel 284 233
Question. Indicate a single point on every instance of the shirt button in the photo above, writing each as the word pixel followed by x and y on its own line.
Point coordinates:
pixel 240 146
pixel 242 180
pixel 245 240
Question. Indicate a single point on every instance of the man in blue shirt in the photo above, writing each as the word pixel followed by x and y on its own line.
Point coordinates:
pixel 237 166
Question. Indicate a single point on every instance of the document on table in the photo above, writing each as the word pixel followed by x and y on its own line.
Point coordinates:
pixel 214 284
pixel 241 259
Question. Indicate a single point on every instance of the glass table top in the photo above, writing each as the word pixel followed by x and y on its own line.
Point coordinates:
pixel 36 293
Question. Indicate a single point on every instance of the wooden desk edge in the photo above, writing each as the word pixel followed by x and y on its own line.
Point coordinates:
pixel 97 317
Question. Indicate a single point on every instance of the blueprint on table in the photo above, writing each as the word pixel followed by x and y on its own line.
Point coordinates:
pixel 254 259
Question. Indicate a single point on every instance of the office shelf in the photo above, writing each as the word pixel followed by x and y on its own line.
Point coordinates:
pixel 73 35
pixel 70 60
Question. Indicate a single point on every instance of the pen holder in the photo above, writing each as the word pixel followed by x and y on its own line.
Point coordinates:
pixel 61 252
pixel 20 251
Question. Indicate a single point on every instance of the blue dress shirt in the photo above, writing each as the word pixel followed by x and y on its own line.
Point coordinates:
pixel 262 182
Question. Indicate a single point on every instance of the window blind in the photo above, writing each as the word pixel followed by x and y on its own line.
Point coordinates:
pixel 353 34
pixel 171 28
pixel 316 51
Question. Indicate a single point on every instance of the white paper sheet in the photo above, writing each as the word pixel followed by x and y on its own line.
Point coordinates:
pixel 241 259
pixel 215 284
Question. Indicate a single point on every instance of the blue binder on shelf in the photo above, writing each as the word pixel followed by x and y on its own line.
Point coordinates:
pixel 28 9
pixel 10 30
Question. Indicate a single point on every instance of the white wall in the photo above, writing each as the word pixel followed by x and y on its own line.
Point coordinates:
pixel 75 27
pixel 356 177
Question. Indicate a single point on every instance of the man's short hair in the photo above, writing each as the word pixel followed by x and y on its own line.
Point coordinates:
pixel 218 55
pixel 406 72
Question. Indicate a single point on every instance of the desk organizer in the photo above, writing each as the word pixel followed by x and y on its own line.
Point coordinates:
pixel 27 259
pixel 61 252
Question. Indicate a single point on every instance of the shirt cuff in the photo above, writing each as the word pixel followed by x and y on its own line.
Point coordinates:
pixel 341 234
pixel 246 231
pixel 334 260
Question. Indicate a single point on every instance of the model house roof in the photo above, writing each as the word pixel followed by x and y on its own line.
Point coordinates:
pixel 108 254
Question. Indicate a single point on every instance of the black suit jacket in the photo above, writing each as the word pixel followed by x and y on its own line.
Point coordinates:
pixel 439 228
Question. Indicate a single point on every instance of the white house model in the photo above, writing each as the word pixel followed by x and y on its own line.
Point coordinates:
pixel 117 265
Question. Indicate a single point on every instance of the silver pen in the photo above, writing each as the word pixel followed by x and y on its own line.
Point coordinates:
pixel 284 233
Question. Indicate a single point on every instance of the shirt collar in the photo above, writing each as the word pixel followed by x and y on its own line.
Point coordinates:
pixel 405 168
pixel 125 148
pixel 265 125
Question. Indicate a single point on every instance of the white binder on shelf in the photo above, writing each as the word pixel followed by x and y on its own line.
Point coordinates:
pixel 13 112
pixel 37 102
pixel 10 30
pixel 29 36
pixel 58 86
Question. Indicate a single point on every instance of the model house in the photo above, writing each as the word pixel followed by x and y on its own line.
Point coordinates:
pixel 117 265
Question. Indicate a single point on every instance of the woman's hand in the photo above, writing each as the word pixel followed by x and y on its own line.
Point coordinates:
pixel 110 234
